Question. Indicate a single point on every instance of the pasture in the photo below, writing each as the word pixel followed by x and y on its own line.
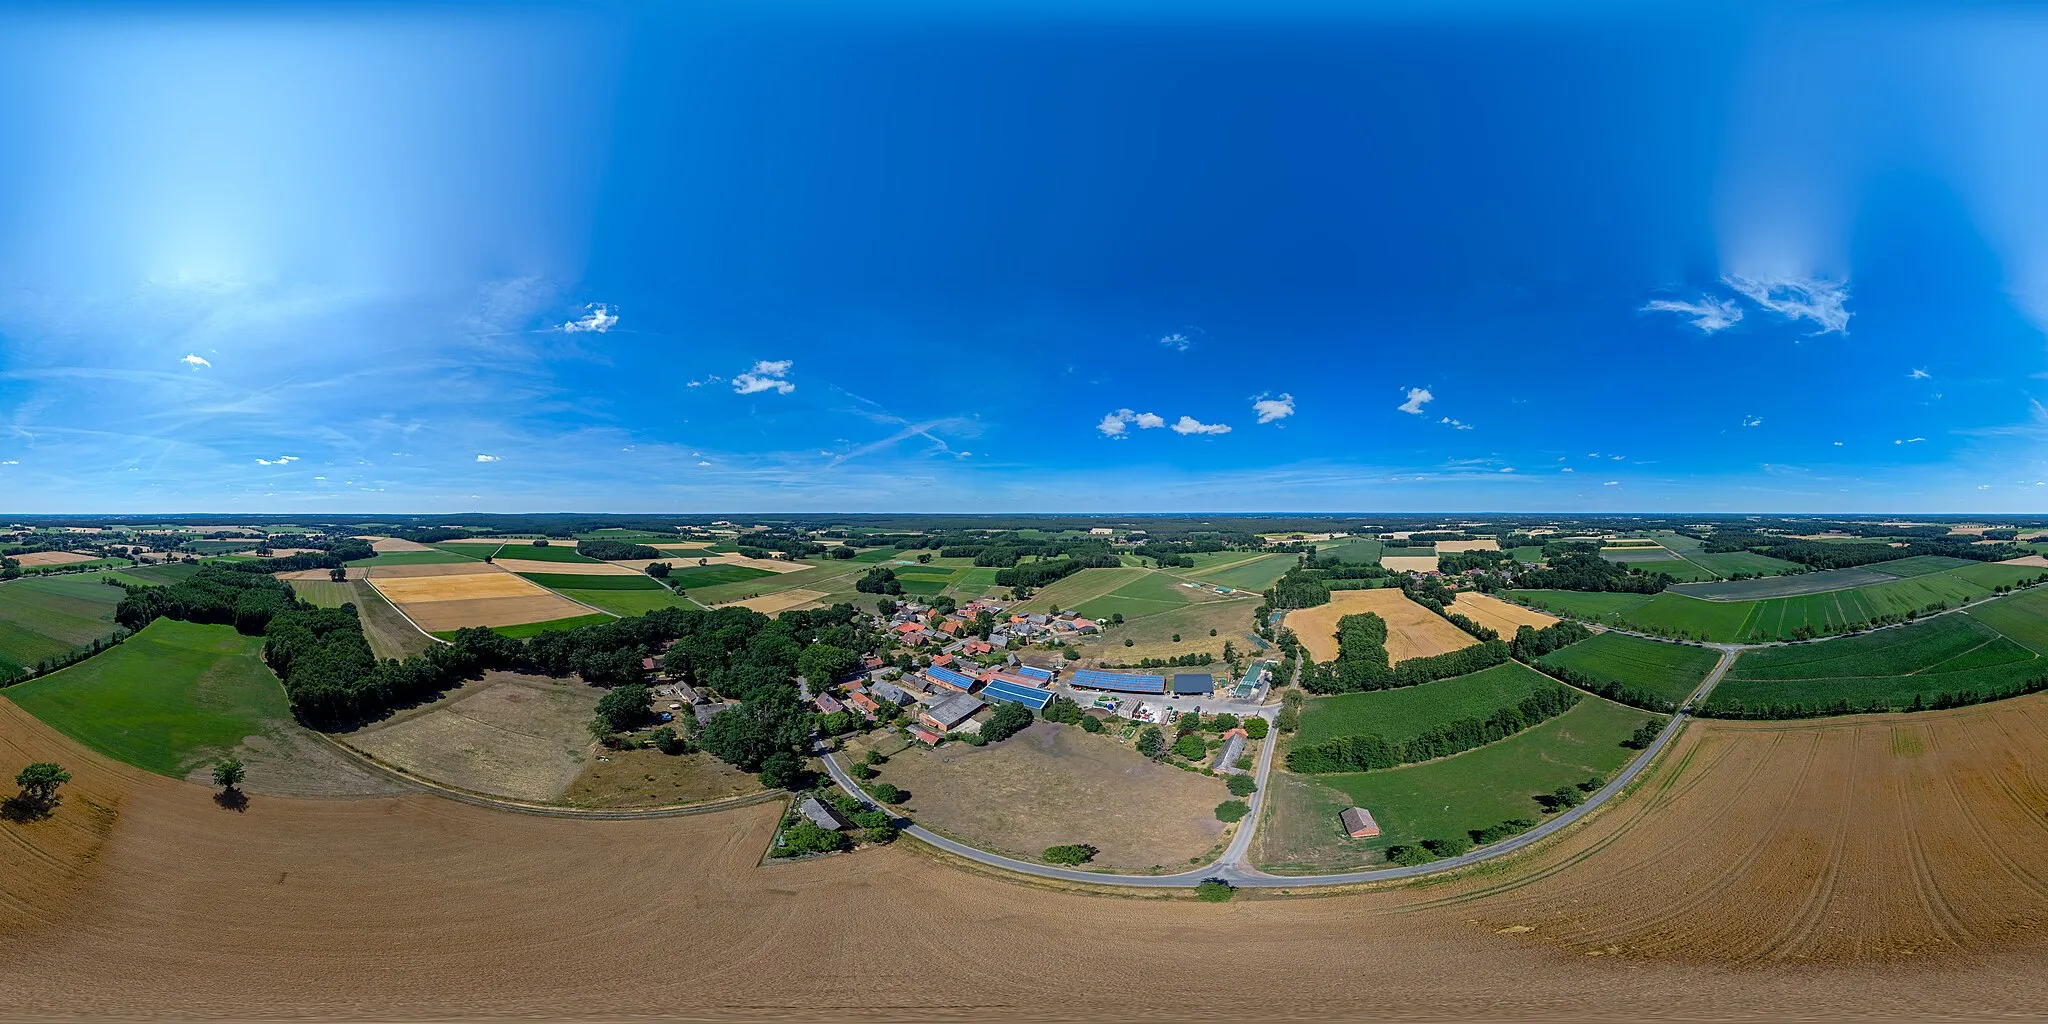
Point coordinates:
pixel 579 581
pixel 1447 797
pixel 1919 565
pixel 1731 562
pixel 1785 586
pixel 625 603
pixel 1352 550
pixel 1150 594
pixel 555 551
pixel 1152 635
pixel 693 576
pixel 1405 712
pixel 2021 617
pixel 1255 573
pixel 1054 784
pixel 527 629
pixel 1081 588
pixel 1412 630
pixel 52 616
pixel 1946 654
pixel 1666 670
pixel 505 735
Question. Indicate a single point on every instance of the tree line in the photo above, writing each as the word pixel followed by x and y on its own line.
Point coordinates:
pixel 1371 752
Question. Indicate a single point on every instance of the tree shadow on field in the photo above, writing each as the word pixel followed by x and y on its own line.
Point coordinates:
pixel 20 809
pixel 232 800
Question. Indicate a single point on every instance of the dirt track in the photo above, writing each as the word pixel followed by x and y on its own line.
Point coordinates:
pixel 142 898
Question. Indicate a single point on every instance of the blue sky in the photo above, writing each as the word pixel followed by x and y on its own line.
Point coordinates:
pixel 1141 257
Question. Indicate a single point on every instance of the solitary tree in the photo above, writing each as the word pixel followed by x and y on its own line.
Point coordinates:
pixel 39 782
pixel 229 773
pixel 1151 742
pixel 337 574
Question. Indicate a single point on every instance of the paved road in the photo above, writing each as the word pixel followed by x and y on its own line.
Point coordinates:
pixel 1232 866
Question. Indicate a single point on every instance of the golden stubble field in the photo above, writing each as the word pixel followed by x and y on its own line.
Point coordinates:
pixel 1761 872
pixel 1498 615
pixel 451 596
pixel 1412 630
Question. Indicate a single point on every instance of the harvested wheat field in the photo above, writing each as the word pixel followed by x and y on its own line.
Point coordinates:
pixel 386 545
pixel 787 600
pixel 1498 615
pixel 312 575
pixel 39 558
pixel 140 897
pixel 492 597
pixel 1412 630
pixel 564 568
pixel 1874 838
pixel 1409 563
pixel 406 572
pixel 1481 544
pixel 2026 560
pixel 505 734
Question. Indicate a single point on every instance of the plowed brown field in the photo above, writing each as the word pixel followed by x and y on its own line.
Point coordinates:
pixel 142 898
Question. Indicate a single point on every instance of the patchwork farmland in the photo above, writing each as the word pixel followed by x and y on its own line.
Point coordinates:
pixel 51 617
pixel 447 597
pixel 1412 630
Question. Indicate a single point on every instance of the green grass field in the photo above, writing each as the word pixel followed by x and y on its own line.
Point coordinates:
pixel 1677 568
pixel 168 699
pixel 1081 588
pixel 1788 585
pixel 2022 617
pixel 693 576
pixel 1150 594
pixel 1888 666
pixel 1494 783
pixel 1527 553
pixel 412 558
pixel 156 575
pixel 578 581
pixel 527 629
pixel 1595 607
pixel 627 603
pixel 1400 714
pixel 1255 574
pixel 1670 671
pixel 1729 563
pixel 1352 550
pixel 556 551
pixel 1730 621
pixel 52 616
pixel 1918 565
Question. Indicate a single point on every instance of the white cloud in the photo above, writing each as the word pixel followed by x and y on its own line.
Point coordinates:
pixel 1617 458
pixel 1507 469
pixel 1910 440
pixel 11 462
pixel 1417 398
pixel 1709 314
pixel 1919 375
pixel 280 461
pixel 1567 469
pixel 1270 409
pixel 596 319
pixel 701 463
pixel 1817 299
pixel 487 458
pixel 1838 444
pixel 709 378
pixel 1113 424
pixel 1752 421
pixel 195 361
pixel 1190 425
pixel 767 375
pixel 1612 483
pixel 1177 341
pixel 1455 424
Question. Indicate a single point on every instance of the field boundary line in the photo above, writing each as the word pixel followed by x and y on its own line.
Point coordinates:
pixel 396 607
pixel 476 799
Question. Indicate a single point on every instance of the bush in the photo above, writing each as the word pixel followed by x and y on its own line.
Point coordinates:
pixel 1151 742
pixel 880 835
pixel 861 771
pixel 1007 721
pixel 666 741
pixel 1070 854
pixel 805 837
pixel 1241 785
pixel 1451 847
pixel 1255 728
pixel 1090 723
pixel 1409 856
pixel 1215 890
pixel 783 770
pixel 887 793
pixel 1190 747
pixel 876 757
pixel 1232 810
pixel 869 817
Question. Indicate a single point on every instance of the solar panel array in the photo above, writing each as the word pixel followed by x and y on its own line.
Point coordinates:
pixel 1118 681
pixel 950 677
pixel 1029 696
pixel 1193 682
pixel 1029 672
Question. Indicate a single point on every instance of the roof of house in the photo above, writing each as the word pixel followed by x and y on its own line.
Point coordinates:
pixel 892 693
pixel 1034 672
pixel 925 734
pixel 953 709
pixel 1014 691
pixel 821 815
pixel 1357 820
pixel 1121 682
pixel 1194 682
pixel 827 704
pixel 863 702
pixel 942 674
pixel 1233 746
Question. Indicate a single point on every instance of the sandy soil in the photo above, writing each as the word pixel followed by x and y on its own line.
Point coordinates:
pixel 1409 563
pixel 389 544
pixel 1497 614
pixel 35 558
pixel 564 568
pixel 1482 544
pixel 2026 560
pixel 1412 630
pixel 142 898
pixel 769 604
pixel 505 734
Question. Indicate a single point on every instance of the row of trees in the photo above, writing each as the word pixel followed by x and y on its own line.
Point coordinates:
pixel 1370 752
pixel 1774 710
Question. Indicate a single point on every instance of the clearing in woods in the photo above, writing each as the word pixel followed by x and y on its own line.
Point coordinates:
pixel 506 735
pixel 1498 615
pixel 52 616
pixel 1054 784
pixel 1445 798
pixel 1412 630
pixel 1667 670
pixel 1405 712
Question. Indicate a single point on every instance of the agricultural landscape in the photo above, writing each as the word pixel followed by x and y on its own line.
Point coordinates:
pixel 1525 740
